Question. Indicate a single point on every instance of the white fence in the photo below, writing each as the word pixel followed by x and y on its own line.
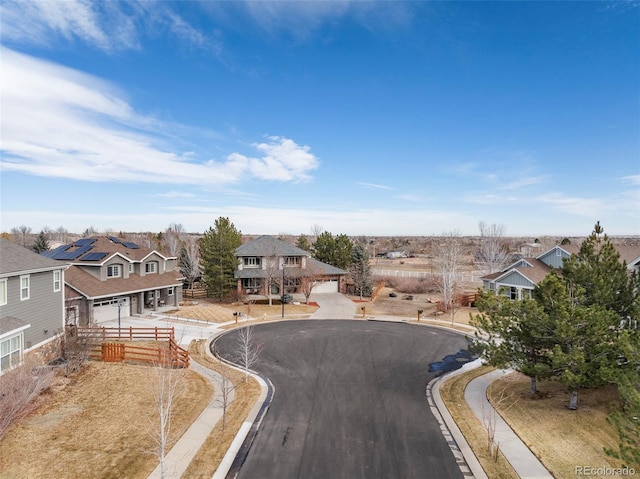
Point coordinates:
pixel 462 277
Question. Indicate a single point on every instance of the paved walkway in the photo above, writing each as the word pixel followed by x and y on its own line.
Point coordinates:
pixel 335 306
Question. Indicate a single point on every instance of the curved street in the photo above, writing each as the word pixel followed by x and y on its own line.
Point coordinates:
pixel 349 400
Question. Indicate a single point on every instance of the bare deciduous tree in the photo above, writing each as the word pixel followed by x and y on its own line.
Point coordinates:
pixel 309 277
pixel 493 255
pixel 248 350
pixel 166 384
pixel 19 388
pixel 272 268
pixel 448 258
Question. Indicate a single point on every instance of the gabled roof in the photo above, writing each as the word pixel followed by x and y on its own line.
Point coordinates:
pixel 108 247
pixel 534 274
pixel 269 246
pixel 9 324
pixel 15 259
pixel 91 287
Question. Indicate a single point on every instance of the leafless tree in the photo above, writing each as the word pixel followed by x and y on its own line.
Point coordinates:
pixel 316 230
pixel 272 271
pixel 173 238
pixel 19 388
pixel 494 254
pixel 448 258
pixel 226 390
pixel 60 234
pixel 248 350
pixel 309 277
pixel 502 401
pixel 190 259
pixel 22 235
pixel 166 384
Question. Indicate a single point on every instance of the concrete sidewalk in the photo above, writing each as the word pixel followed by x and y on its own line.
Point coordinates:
pixel 523 461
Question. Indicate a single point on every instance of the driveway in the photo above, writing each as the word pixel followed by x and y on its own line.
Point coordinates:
pixel 333 306
pixel 349 401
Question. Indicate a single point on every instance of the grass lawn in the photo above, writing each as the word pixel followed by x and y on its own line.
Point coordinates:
pixel 98 425
pixel 561 438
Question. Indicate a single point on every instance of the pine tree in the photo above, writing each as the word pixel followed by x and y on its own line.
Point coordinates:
pixel 516 334
pixel 218 257
pixel 335 251
pixel 41 244
pixel 303 243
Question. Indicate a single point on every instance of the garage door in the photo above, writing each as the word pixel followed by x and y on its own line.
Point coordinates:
pixel 326 287
pixel 107 310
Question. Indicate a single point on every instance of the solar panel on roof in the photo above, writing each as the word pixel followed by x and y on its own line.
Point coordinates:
pixel 75 254
pixel 84 242
pixel 130 245
pixel 94 256
pixel 114 239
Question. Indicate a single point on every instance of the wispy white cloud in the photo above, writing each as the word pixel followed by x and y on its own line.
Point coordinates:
pixel 108 25
pixel 374 185
pixel 176 194
pixel 631 180
pixel 59 122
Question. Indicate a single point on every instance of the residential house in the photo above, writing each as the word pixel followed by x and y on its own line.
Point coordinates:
pixel 110 278
pixel 31 302
pixel 520 278
pixel 266 262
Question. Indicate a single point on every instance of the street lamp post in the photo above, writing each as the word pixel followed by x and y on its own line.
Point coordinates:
pixel 282 291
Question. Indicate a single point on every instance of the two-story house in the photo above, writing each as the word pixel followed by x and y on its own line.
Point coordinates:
pixel 31 302
pixel 109 278
pixel 520 278
pixel 266 262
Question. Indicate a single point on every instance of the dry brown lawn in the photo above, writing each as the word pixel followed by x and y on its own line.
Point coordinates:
pixel 97 425
pixel 209 456
pixel 562 439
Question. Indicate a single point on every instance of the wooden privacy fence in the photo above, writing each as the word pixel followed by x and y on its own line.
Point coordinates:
pixel 169 355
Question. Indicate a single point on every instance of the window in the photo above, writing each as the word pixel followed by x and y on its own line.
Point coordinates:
pixel 3 291
pixel 131 268
pixel 113 271
pixel 24 287
pixel 292 260
pixel 251 262
pixel 10 352
pixel 170 291
pixel 249 283
pixel 151 267
pixel 57 281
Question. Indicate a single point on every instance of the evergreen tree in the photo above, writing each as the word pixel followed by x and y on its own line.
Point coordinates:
pixel 516 334
pixel 41 244
pixel 218 257
pixel 360 270
pixel 303 243
pixel 335 251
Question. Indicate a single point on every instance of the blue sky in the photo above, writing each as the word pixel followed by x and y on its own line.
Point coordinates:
pixel 363 118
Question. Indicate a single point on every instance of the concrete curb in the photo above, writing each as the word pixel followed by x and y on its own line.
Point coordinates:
pixel 237 453
pixel 465 457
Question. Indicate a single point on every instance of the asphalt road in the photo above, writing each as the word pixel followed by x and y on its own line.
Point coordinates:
pixel 349 401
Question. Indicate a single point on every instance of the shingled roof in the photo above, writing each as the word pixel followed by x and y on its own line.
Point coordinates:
pixel 16 259
pixel 269 246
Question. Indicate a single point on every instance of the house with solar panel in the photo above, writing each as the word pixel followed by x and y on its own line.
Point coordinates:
pixel 270 266
pixel 32 310
pixel 108 278
pixel 518 280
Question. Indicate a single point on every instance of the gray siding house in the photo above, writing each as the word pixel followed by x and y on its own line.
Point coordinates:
pixel 520 278
pixel 32 308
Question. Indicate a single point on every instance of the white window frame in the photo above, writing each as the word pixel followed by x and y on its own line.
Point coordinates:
pixel 151 267
pixel 116 271
pixel 25 289
pixel 9 346
pixel 292 261
pixel 251 262
pixel 3 291
pixel 170 291
pixel 57 281
pixel 131 268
